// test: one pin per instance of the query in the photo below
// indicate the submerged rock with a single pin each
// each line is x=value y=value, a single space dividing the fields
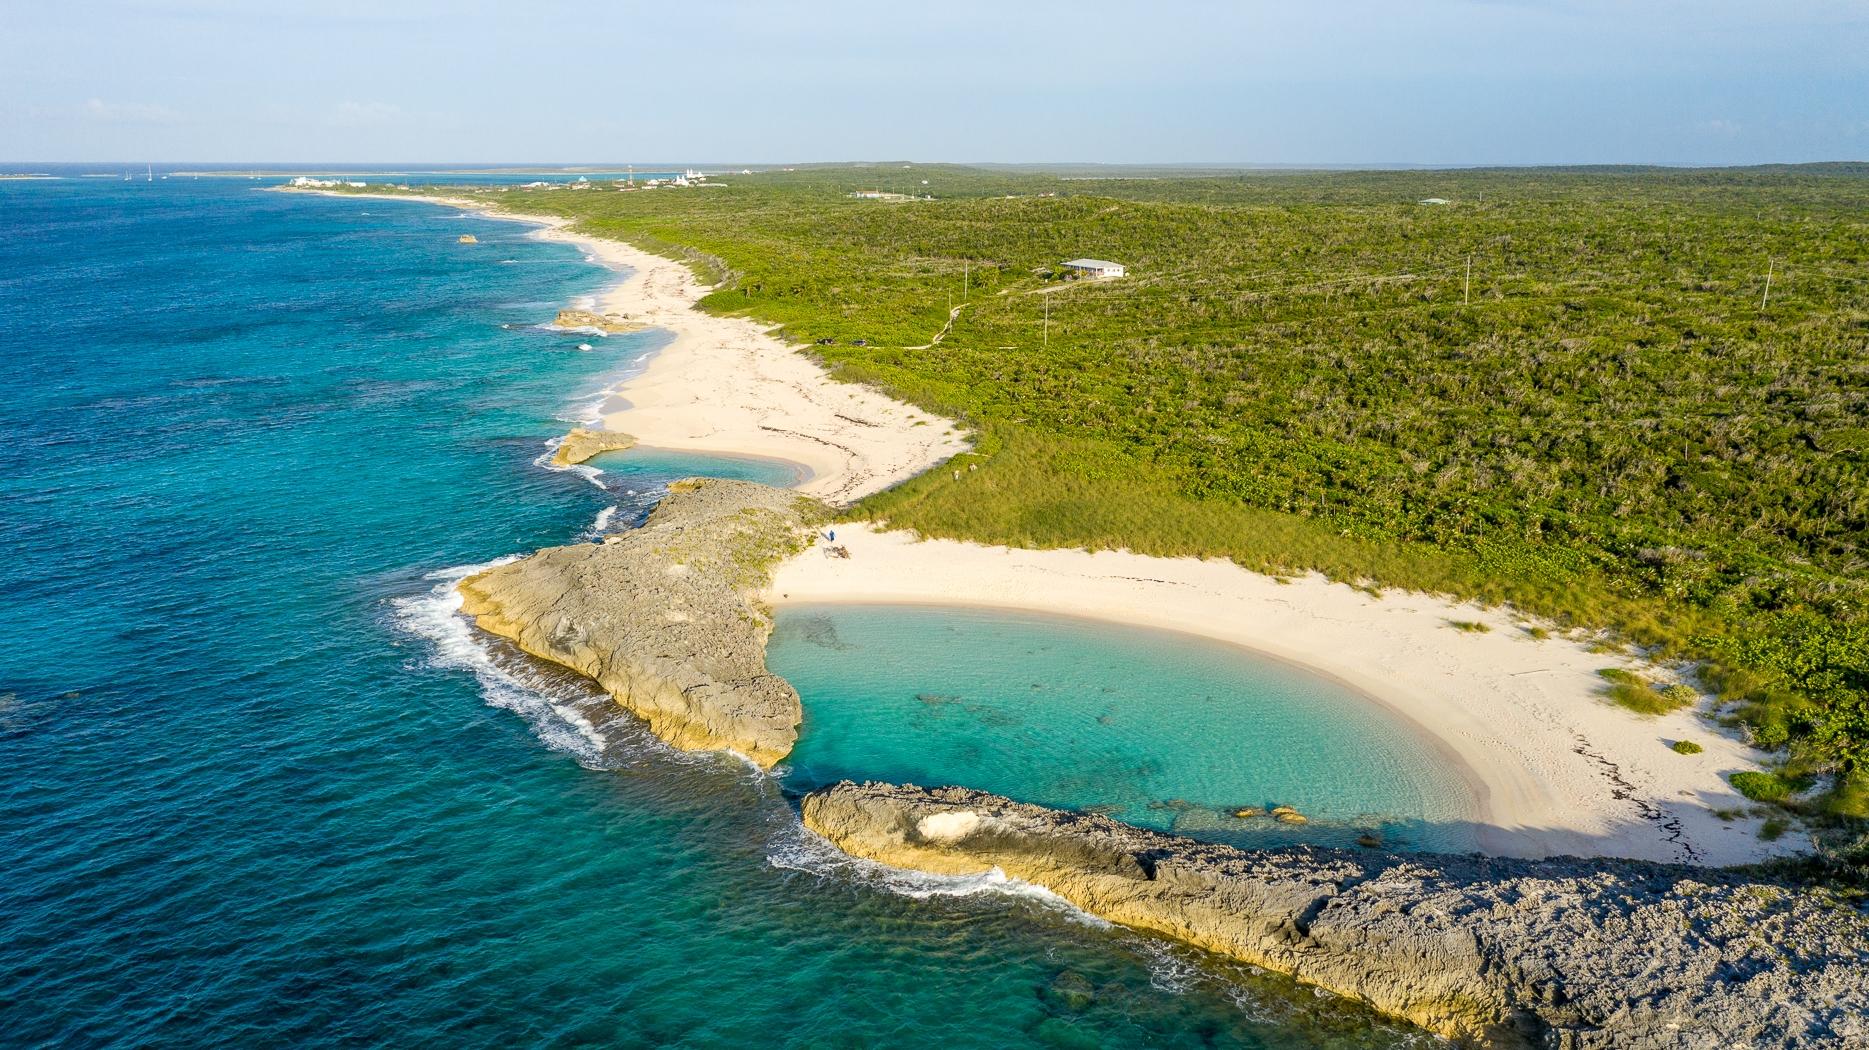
x=663 y=617
x=1559 y=953
x=1071 y=990
x=583 y=443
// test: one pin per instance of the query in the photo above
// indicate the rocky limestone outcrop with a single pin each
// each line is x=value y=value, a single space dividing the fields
x=583 y=443
x=608 y=324
x=663 y=616
x=1561 y=953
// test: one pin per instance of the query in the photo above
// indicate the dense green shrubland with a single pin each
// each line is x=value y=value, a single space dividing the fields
x=1611 y=427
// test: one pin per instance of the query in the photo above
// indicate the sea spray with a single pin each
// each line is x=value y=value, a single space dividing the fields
x=560 y=714
x=797 y=848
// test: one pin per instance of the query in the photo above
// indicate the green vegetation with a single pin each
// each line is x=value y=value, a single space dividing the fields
x=1638 y=694
x=1685 y=747
x=1680 y=695
x=1761 y=787
x=1469 y=626
x=1607 y=425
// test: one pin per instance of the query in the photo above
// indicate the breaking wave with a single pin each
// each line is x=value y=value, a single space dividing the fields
x=797 y=848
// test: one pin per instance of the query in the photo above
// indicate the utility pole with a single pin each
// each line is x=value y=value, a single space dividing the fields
x=964 y=266
x=1767 y=299
x=1466 y=294
x=1047 y=318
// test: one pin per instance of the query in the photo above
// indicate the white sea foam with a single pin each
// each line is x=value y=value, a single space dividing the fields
x=588 y=473
x=594 y=475
x=568 y=713
x=602 y=524
x=436 y=616
x=1170 y=967
x=800 y=849
x=586 y=414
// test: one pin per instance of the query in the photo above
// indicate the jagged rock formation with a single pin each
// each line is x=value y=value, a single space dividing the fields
x=663 y=616
x=608 y=324
x=583 y=443
x=1563 y=953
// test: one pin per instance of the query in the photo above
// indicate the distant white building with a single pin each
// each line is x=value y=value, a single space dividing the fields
x=1436 y=200
x=1095 y=268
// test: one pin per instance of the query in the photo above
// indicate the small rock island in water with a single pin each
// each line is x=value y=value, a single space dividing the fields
x=584 y=442
x=605 y=324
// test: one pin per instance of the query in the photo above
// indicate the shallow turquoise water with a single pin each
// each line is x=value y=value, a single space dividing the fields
x=262 y=788
x=1154 y=728
x=650 y=464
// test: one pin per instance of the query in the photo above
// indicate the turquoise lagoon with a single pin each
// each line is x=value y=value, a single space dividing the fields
x=263 y=788
x=1154 y=728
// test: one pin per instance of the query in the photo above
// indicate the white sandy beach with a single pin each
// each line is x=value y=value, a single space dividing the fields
x=726 y=385
x=1558 y=769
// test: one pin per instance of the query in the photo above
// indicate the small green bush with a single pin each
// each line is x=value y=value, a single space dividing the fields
x=1760 y=787
x=1637 y=693
x=1681 y=695
x=1686 y=747
x=1469 y=626
x=1774 y=829
x=1536 y=634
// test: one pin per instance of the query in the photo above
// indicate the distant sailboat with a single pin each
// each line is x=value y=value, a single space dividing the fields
x=149 y=173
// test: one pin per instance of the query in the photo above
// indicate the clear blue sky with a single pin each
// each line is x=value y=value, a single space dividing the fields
x=1251 y=81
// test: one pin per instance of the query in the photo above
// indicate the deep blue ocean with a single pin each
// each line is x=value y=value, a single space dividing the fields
x=261 y=788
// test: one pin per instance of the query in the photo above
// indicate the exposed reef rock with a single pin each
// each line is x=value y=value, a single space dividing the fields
x=608 y=324
x=1561 y=953
x=662 y=616
x=583 y=443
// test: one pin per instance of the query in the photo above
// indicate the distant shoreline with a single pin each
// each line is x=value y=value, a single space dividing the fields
x=726 y=385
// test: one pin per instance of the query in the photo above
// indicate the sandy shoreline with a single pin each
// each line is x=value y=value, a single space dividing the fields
x=727 y=385
x=1560 y=770
x=1557 y=769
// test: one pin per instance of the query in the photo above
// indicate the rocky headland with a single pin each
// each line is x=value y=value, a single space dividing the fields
x=663 y=617
x=583 y=443
x=604 y=324
x=1559 y=953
